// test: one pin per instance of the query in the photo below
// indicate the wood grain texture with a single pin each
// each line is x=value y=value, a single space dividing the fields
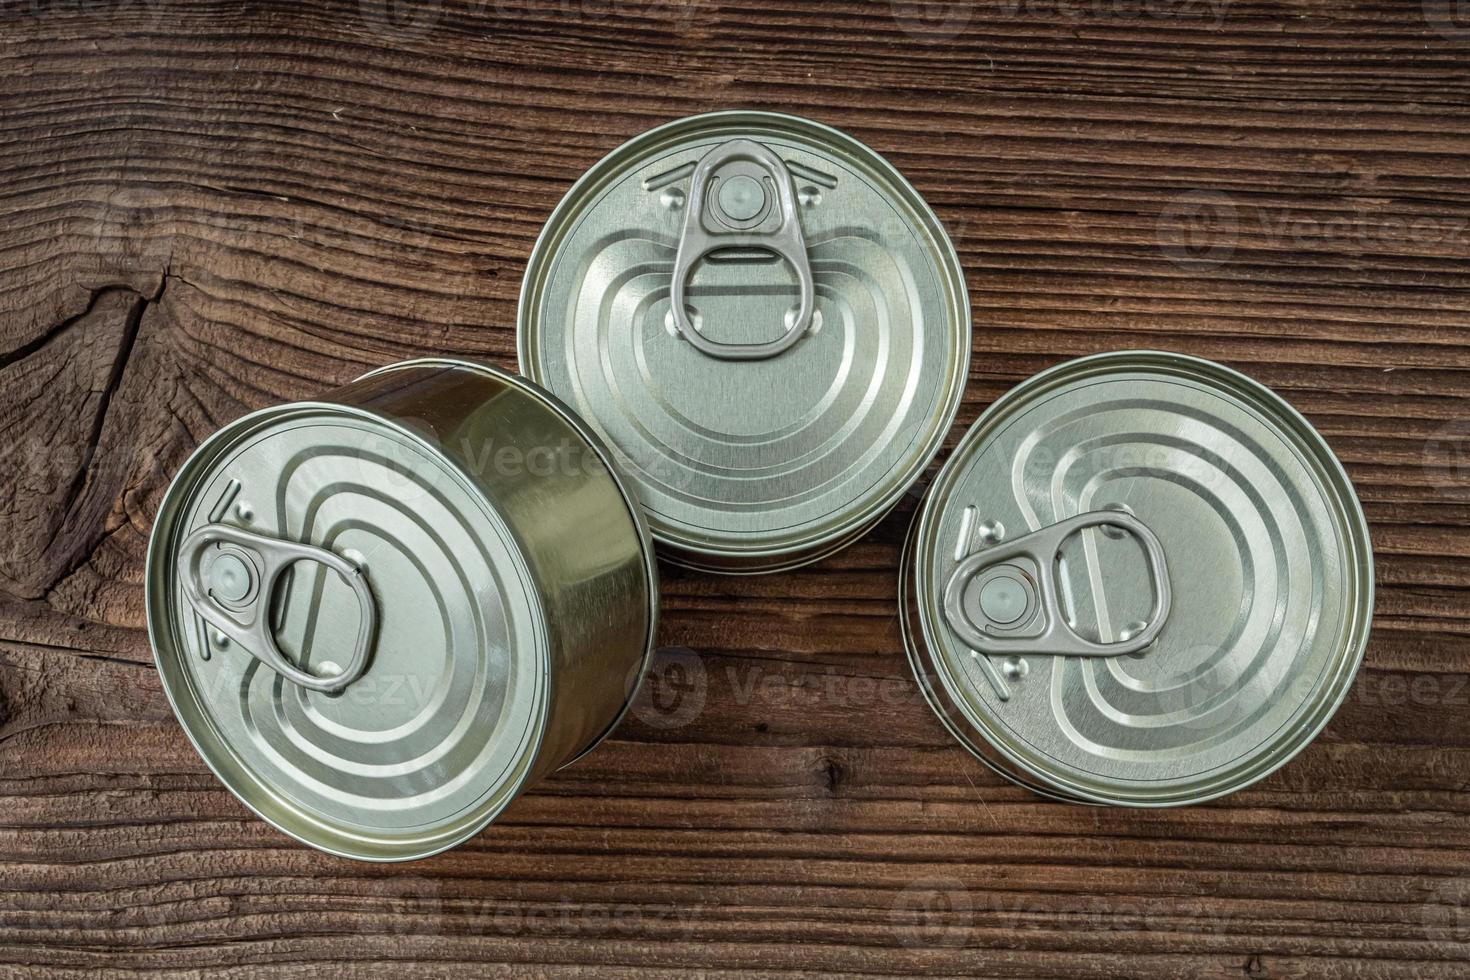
x=206 y=208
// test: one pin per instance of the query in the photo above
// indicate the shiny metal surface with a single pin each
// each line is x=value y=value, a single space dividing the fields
x=1269 y=564
x=1007 y=599
x=513 y=589
x=230 y=576
x=763 y=445
x=741 y=215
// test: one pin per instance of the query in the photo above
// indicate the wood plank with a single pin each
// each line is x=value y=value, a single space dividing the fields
x=209 y=207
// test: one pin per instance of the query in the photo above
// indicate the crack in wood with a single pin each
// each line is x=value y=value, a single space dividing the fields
x=99 y=418
x=105 y=658
x=132 y=326
x=37 y=344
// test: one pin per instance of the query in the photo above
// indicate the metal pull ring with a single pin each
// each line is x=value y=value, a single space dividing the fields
x=234 y=589
x=1009 y=596
x=742 y=207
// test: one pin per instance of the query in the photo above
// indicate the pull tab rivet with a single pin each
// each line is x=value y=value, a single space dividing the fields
x=742 y=197
x=229 y=578
x=1003 y=599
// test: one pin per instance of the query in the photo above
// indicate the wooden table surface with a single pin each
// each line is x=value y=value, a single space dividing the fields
x=206 y=208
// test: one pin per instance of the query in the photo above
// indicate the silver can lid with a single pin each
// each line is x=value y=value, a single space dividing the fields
x=1142 y=579
x=365 y=535
x=814 y=359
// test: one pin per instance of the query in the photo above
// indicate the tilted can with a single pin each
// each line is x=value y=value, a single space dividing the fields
x=1142 y=579
x=766 y=322
x=381 y=615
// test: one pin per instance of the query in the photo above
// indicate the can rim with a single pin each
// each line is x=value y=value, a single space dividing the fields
x=834 y=536
x=1345 y=506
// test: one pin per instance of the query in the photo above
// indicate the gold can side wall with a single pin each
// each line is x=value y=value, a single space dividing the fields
x=579 y=528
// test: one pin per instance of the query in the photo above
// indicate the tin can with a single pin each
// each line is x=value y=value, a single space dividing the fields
x=1142 y=579
x=381 y=615
x=766 y=322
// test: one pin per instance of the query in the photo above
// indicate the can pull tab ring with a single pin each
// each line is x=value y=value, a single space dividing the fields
x=1015 y=583
x=233 y=592
x=749 y=220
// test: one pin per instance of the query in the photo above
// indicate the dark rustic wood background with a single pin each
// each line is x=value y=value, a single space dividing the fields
x=206 y=208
